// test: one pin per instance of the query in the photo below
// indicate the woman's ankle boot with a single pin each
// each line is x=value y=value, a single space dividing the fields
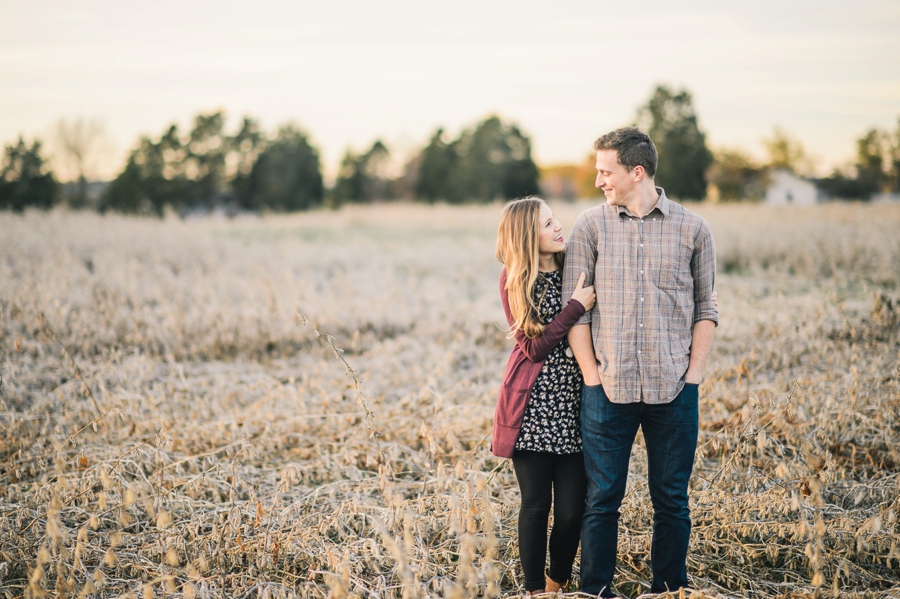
x=552 y=586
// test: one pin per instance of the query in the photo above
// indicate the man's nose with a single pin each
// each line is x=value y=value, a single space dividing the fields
x=598 y=183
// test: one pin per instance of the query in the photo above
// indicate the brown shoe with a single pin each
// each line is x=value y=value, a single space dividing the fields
x=552 y=586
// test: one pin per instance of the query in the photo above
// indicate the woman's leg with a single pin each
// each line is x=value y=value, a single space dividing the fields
x=534 y=471
x=569 y=490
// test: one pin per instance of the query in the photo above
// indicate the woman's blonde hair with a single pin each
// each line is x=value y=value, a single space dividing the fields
x=517 y=250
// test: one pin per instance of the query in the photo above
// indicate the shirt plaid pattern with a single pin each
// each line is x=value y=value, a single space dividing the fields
x=654 y=278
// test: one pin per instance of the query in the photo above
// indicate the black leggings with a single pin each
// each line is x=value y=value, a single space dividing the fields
x=545 y=478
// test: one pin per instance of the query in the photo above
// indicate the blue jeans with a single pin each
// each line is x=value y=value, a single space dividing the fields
x=607 y=433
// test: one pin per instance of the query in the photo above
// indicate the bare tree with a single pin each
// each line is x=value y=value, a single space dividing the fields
x=79 y=144
x=788 y=153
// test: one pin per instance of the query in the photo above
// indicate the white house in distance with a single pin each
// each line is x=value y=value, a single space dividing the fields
x=787 y=189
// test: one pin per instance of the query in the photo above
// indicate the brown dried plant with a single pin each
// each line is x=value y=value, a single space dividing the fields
x=169 y=430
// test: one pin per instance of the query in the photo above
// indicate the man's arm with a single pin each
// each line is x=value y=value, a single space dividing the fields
x=703 y=271
x=706 y=313
x=581 y=257
x=583 y=347
x=701 y=344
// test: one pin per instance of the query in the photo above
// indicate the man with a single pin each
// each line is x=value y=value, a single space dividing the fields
x=641 y=351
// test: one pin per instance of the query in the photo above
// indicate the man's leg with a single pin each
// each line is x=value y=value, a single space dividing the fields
x=670 y=432
x=607 y=434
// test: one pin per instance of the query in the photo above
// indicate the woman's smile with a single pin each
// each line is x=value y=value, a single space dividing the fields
x=550 y=235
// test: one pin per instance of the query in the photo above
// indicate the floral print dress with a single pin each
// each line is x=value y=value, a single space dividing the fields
x=552 y=422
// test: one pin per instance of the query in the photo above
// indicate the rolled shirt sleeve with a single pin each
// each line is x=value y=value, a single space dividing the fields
x=581 y=257
x=703 y=271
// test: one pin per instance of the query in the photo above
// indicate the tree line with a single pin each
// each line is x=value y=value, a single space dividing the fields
x=246 y=169
x=209 y=167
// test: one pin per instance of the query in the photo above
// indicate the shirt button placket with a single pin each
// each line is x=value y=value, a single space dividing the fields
x=640 y=337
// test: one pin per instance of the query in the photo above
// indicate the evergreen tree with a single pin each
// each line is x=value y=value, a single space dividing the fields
x=522 y=175
x=158 y=174
x=670 y=121
x=489 y=161
x=25 y=179
x=287 y=175
x=871 y=156
x=436 y=163
x=364 y=177
x=245 y=148
x=376 y=180
x=349 y=184
x=204 y=162
x=894 y=160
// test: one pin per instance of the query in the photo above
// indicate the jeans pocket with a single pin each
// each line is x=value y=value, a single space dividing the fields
x=690 y=392
x=593 y=399
x=592 y=391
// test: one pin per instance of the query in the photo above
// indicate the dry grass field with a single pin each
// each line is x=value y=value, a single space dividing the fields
x=172 y=428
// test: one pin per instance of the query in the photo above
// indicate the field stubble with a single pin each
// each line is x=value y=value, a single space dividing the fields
x=172 y=427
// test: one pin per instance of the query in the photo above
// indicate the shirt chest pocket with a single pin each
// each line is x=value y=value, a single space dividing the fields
x=669 y=264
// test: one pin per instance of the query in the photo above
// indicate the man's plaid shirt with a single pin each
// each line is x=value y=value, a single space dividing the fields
x=654 y=278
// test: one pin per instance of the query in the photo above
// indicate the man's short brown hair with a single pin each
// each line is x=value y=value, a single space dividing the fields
x=633 y=146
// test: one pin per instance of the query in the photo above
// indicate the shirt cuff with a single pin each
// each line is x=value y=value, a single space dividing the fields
x=706 y=313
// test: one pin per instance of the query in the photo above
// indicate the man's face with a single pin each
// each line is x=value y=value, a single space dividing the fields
x=616 y=182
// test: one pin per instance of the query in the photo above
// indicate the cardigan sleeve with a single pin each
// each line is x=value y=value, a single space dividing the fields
x=538 y=348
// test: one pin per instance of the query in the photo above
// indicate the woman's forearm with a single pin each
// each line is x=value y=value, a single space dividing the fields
x=538 y=348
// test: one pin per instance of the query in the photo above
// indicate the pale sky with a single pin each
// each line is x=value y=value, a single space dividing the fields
x=349 y=72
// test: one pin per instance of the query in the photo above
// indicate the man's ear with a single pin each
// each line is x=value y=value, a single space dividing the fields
x=639 y=173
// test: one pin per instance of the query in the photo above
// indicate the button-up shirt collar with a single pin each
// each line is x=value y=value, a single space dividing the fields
x=662 y=204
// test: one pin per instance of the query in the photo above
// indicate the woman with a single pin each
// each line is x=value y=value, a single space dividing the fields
x=537 y=420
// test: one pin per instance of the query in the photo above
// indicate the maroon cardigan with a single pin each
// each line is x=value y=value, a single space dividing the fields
x=525 y=362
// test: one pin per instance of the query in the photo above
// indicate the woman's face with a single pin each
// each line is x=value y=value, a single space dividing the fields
x=550 y=237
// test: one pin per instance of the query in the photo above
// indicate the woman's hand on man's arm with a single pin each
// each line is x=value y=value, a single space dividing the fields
x=584 y=295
